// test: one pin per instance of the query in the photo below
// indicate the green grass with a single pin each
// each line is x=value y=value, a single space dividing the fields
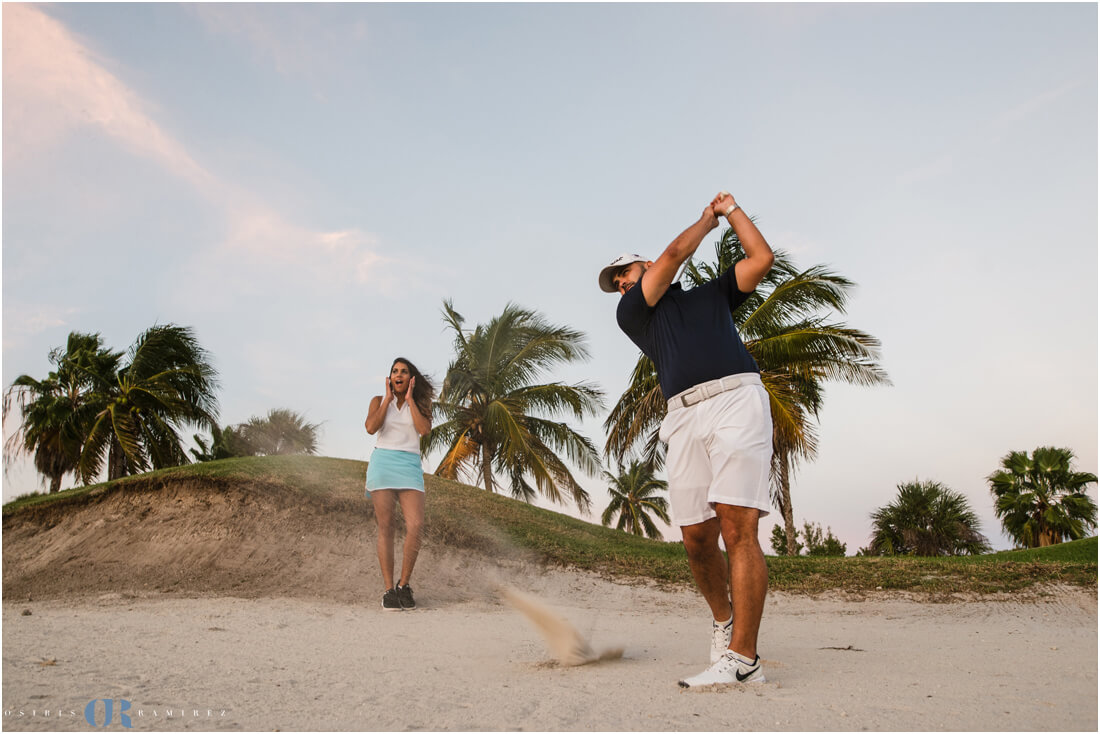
x=309 y=474
x=1079 y=551
x=466 y=517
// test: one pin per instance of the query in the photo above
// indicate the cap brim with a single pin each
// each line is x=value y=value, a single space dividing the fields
x=605 y=278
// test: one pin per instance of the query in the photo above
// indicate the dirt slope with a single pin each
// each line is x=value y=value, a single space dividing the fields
x=192 y=536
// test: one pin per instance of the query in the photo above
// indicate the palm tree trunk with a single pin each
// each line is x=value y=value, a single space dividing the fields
x=55 y=483
x=785 y=504
x=116 y=461
x=487 y=467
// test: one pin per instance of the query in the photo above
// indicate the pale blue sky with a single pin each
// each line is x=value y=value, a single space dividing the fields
x=304 y=184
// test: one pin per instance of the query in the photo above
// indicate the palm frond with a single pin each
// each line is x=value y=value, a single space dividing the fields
x=638 y=413
x=497 y=409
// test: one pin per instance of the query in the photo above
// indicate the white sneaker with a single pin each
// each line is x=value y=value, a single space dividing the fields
x=730 y=668
x=720 y=639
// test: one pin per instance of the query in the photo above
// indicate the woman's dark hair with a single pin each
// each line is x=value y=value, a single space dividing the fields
x=423 y=390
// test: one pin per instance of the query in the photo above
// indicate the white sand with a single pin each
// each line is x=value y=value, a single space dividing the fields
x=886 y=663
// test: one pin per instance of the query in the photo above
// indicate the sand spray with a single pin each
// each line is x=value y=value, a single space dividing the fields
x=566 y=644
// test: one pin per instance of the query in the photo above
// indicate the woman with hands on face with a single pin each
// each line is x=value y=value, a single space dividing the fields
x=395 y=476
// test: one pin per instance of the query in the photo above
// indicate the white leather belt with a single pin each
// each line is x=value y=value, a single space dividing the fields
x=706 y=390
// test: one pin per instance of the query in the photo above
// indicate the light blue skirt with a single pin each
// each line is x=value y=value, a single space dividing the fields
x=391 y=469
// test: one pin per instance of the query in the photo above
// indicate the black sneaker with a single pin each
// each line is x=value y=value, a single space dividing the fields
x=390 y=601
x=405 y=596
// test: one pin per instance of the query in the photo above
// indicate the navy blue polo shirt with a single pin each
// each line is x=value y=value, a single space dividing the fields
x=689 y=335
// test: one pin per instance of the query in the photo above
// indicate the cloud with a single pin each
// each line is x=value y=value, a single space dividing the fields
x=54 y=86
x=1036 y=102
x=22 y=321
x=297 y=43
x=991 y=134
x=339 y=256
x=929 y=170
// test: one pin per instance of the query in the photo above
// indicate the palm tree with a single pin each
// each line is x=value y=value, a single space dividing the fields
x=167 y=383
x=497 y=420
x=220 y=445
x=281 y=432
x=797 y=349
x=1040 y=499
x=45 y=431
x=633 y=497
x=926 y=519
x=55 y=411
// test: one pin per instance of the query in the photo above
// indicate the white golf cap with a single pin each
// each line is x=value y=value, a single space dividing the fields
x=617 y=264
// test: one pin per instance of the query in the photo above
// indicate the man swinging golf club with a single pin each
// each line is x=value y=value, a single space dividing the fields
x=718 y=427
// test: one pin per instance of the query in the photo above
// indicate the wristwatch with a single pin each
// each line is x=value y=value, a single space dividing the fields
x=732 y=209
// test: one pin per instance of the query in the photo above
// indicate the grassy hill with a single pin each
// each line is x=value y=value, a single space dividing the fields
x=247 y=525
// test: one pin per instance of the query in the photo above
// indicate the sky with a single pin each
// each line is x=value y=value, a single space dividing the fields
x=304 y=185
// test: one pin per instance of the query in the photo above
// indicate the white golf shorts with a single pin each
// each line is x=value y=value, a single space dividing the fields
x=719 y=452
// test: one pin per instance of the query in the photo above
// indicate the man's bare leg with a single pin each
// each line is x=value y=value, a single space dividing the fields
x=748 y=574
x=708 y=565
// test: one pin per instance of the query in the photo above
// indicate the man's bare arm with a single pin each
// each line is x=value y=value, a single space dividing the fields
x=659 y=276
x=758 y=254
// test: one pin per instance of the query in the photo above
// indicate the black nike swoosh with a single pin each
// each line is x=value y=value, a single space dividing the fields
x=741 y=678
